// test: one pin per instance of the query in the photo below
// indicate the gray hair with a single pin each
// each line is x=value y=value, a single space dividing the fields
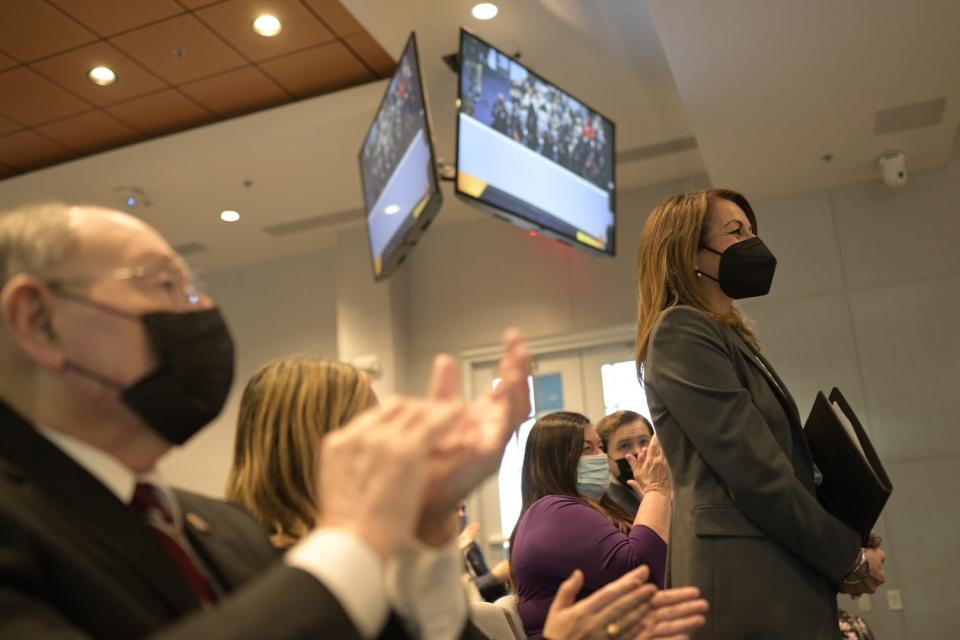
x=34 y=238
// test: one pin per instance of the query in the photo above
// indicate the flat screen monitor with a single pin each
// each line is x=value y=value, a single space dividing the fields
x=397 y=168
x=531 y=152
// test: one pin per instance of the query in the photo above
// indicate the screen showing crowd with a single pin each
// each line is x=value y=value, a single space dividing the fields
x=529 y=116
x=396 y=160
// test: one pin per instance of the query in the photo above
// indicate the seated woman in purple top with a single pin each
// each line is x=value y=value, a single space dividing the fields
x=568 y=522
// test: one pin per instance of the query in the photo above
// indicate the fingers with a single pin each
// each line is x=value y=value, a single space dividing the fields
x=617 y=589
x=630 y=612
x=677 y=628
x=567 y=593
x=685 y=613
x=668 y=597
x=445 y=382
x=637 y=600
x=514 y=370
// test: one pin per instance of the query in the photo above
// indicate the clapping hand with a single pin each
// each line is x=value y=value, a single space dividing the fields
x=472 y=451
x=372 y=474
x=650 y=470
x=628 y=608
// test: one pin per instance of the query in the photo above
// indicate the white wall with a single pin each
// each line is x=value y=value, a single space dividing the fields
x=469 y=281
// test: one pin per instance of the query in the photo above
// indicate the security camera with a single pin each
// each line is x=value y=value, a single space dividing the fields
x=893 y=168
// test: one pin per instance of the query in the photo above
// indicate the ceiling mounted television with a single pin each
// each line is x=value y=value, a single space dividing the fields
x=532 y=153
x=401 y=195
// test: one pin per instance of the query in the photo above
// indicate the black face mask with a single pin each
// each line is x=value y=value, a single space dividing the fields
x=624 y=472
x=746 y=269
x=195 y=355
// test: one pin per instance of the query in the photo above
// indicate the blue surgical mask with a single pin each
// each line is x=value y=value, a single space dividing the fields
x=593 y=476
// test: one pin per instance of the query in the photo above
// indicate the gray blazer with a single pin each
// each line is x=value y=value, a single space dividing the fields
x=747 y=528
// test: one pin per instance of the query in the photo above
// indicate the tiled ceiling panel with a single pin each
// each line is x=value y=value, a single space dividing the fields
x=33 y=29
x=69 y=70
x=196 y=4
x=7 y=125
x=30 y=99
x=240 y=91
x=232 y=21
x=90 y=130
x=178 y=64
x=163 y=111
x=372 y=53
x=110 y=17
x=6 y=62
x=335 y=16
x=322 y=69
x=25 y=150
x=179 y=50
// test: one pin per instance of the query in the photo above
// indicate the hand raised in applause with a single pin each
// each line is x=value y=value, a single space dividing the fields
x=373 y=474
x=627 y=608
x=650 y=470
x=472 y=450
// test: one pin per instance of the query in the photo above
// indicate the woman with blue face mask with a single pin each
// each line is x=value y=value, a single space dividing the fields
x=568 y=522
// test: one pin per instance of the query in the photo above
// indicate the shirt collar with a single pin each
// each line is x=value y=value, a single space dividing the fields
x=111 y=473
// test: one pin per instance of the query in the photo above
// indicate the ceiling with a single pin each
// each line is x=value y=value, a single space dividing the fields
x=754 y=95
x=772 y=87
x=179 y=64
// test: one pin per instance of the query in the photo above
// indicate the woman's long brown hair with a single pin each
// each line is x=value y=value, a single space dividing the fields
x=666 y=264
x=286 y=409
x=550 y=467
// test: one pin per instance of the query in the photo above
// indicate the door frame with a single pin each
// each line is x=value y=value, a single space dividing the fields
x=545 y=346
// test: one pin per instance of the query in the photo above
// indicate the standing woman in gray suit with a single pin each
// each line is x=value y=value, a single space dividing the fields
x=747 y=528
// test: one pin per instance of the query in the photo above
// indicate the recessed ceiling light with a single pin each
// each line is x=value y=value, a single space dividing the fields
x=229 y=216
x=102 y=76
x=484 y=11
x=391 y=209
x=267 y=25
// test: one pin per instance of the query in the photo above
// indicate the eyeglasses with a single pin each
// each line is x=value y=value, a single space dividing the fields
x=182 y=285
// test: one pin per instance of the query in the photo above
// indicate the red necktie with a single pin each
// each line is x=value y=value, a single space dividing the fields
x=157 y=515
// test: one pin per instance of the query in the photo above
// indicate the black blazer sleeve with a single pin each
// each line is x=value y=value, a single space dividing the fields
x=694 y=375
x=283 y=603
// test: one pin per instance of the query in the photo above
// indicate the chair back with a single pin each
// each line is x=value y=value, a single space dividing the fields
x=492 y=621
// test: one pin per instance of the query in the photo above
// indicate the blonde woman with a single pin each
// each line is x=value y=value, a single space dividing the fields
x=286 y=408
x=746 y=523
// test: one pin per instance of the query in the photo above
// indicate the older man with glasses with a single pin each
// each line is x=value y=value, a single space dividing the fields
x=110 y=355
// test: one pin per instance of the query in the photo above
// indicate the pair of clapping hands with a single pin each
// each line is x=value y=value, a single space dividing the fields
x=627 y=609
x=398 y=471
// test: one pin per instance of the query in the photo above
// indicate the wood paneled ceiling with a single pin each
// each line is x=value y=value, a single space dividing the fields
x=179 y=64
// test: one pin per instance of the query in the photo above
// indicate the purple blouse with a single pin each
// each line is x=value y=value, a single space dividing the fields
x=559 y=534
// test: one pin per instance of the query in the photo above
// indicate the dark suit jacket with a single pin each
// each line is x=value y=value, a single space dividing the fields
x=747 y=528
x=77 y=562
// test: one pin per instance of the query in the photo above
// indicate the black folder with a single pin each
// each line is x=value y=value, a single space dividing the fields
x=855 y=486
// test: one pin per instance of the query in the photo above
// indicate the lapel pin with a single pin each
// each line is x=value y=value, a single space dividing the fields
x=198 y=523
